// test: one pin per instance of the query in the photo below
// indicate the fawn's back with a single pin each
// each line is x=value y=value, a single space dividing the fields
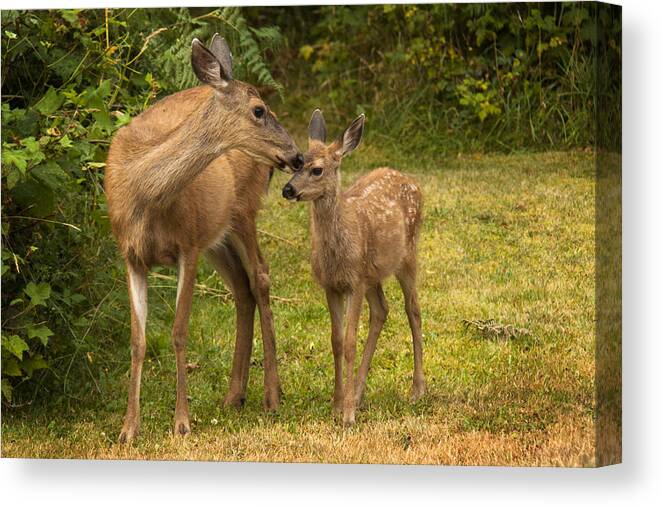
x=388 y=208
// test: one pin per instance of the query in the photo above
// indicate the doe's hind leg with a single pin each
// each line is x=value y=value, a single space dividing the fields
x=227 y=263
x=137 y=285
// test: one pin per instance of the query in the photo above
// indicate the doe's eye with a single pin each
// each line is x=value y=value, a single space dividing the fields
x=316 y=171
x=258 y=111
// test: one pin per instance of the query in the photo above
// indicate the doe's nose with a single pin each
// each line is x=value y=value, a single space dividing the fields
x=297 y=161
x=288 y=191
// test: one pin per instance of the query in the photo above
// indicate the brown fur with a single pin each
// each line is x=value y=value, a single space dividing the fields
x=186 y=178
x=360 y=237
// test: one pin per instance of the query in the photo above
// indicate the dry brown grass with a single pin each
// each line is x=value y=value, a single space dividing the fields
x=412 y=440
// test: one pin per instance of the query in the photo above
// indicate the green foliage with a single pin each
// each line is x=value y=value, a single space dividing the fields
x=171 y=46
x=452 y=77
x=71 y=78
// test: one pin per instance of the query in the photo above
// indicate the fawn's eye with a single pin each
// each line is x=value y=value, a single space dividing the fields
x=316 y=171
x=258 y=112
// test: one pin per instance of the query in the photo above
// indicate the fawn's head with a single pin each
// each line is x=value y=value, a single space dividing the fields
x=321 y=169
x=252 y=127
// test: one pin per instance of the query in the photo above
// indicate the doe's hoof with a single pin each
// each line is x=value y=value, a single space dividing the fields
x=128 y=435
x=235 y=400
x=181 y=429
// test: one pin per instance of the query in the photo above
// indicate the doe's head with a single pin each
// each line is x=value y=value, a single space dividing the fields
x=254 y=128
x=320 y=174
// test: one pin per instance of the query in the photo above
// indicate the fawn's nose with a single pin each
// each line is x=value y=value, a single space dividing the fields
x=288 y=191
x=297 y=161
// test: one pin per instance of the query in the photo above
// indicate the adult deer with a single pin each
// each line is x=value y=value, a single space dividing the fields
x=359 y=237
x=172 y=195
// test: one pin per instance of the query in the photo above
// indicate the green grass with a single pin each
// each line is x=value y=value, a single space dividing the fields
x=505 y=237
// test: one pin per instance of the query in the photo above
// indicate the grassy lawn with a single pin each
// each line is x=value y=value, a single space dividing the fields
x=505 y=237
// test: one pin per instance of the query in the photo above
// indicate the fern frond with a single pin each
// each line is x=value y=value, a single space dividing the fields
x=170 y=52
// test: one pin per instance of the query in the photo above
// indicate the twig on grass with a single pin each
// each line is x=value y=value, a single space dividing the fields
x=205 y=289
x=492 y=330
x=275 y=236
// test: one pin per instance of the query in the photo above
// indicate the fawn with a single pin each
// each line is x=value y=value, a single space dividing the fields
x=173 y=181
x=359 y=237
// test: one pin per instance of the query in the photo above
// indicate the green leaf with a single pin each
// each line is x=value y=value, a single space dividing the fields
x=15 y=344
x=103 y=119
x=50 y=102
x=31 y=144
x=16 y=157
x=41 y=332
x=122 y=118
x=10 y=368
x=65 y=142
x=13 y=177
x=71 y=15
x=50 y=174
x=32 y=150
x=6 y=389
x=306 y=51
x=37 y=199
x=38 y=293
x=34 y=363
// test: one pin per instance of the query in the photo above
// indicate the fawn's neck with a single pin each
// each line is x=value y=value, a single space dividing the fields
x=331 y=229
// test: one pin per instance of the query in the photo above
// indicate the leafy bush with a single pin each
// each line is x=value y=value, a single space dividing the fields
x=451 y=77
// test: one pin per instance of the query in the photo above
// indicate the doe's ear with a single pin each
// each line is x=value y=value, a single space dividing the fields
x=351 y=137
x=221 y=51
x=206 y=66
x=317 y=127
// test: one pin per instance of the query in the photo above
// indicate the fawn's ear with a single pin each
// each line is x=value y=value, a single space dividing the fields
x=207 y=68
x=351 y=137
x=317 y=127
x=222 y=52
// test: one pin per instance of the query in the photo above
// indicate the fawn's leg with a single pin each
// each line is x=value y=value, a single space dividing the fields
x=227 y=263
x=378 y=314
x=185 y=286
x=336 y=303
x=244 y=240
x=406 y=277
x=354 y=307
x=137 y=285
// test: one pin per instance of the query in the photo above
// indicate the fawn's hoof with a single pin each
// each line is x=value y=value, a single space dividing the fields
x=349 y=419
x=181 y=428
x=418 y=391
